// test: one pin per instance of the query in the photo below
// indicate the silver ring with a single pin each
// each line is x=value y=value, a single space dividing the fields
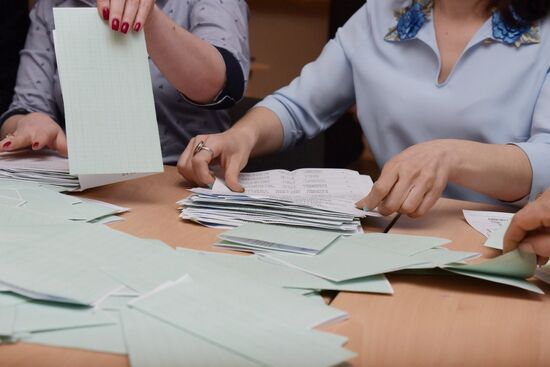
x=202 y=146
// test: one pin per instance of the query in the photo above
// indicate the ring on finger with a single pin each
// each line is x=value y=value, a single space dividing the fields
x=202 y=146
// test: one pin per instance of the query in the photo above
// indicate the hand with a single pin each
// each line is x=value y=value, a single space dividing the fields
x=36 y=130
x=124 y=15
x=230 y=150
x=412 y=181
x=530 y=229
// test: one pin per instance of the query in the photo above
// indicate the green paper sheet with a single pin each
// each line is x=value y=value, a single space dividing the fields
x=152 y=342
x=350 y=258
x=118 y=133
x=280 y=238
x=511 y=269
x=242 y=327
x=7 y=320
x=33 y=316
x=274 y=273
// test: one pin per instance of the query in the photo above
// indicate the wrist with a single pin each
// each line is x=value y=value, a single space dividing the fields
x=451 y=153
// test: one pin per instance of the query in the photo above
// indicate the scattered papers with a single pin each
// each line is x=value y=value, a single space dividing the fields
x=279 y=238
x=318 y=198
x=492 y=225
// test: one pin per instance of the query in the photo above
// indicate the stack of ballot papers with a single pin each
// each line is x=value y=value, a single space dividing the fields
x=319 y=198
x=110 y=119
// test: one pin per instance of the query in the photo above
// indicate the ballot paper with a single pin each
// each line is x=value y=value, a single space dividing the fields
x=112 y=133
x=315 y=198
x=331 y=189
x=279 y=238
x=512 y=269
x=492 y=225
x=242 y=327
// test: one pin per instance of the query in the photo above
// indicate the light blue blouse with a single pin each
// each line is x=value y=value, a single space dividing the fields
x=497 y=92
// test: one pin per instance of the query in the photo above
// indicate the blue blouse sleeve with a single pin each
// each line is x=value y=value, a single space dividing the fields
x=34 y=86
x=537 y=147
x=224 y=24
x=323 y=91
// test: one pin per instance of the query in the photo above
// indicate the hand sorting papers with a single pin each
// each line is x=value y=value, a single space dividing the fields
x=319 y=198
x=112 y=133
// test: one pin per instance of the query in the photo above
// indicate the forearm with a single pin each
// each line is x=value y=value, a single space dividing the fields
x=192 y=65
x=263 y=129
x=500 y=171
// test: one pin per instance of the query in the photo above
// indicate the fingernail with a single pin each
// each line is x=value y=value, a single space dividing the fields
x=137 y=27
x=115 y=25
x=35 y=145
x=124 y=28
x=6 y=144
x=105 y=13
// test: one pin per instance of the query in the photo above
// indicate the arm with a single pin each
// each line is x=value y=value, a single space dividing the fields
x=199 y=62
x=310 y=104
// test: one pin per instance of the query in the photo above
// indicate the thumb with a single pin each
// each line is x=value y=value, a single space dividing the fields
x=232 y=171
x=60 y=144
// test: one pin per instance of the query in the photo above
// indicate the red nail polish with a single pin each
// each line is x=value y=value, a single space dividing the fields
x=105 y=13
x=6 y=144
x=124 y=28
x=137 y=27
x=115 y=25
x=35 y=145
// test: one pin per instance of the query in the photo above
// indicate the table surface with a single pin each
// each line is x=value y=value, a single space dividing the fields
x=435 y=320
x=429 y=320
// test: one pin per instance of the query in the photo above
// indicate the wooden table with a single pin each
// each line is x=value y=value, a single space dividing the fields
x=154 y=214
x=447 y=320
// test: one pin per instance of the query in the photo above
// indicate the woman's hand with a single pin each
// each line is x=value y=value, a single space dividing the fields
x=412 y=181
x=230 y=150
x=124 y=15
x=36 y=130
x=530 y=229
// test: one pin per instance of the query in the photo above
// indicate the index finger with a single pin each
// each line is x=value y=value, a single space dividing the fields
x=200 y=165
x=527 y=219
x=381 y=188
x=103 y=9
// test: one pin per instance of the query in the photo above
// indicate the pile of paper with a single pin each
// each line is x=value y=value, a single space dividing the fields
x=319 y=198
x=86 y=286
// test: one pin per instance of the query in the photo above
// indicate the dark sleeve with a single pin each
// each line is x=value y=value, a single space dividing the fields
x=14 y=23
x=233 y=91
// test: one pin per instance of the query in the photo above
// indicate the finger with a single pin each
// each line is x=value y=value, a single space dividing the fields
x=39 y=140
x=129 y=16
x=103 y=9
x=115 y=13
x=60 y=144
x=233 y=167
x=538 y=242
x=200 y=163
x=380 y=190
x=396 y=197
x=430 y=198
x=19 y=140
x=527 y=219
x=5 y=143
x=145 y=8
x=414 y=199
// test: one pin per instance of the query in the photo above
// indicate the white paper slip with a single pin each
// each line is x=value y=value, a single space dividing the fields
x=486 y=222
x=108 y=98
x=330 y=189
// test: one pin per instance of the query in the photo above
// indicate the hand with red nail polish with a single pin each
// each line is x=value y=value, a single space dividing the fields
x=125 y=15
x=35 y=130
